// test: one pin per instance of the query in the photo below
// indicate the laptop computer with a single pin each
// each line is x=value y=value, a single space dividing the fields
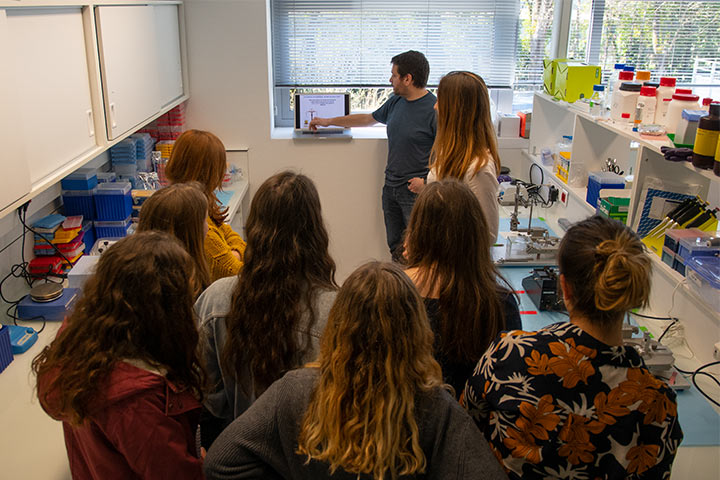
x=322 y=105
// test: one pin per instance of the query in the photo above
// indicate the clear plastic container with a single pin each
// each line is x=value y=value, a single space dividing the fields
x=647 y=97
x=614 y=77
x=703 y=274
x=687 y=128
x=597 y=101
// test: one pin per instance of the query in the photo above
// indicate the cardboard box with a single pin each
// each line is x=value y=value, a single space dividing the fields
x=525 y=121
x=574 y=80
x=509 y=125
x=550 y=67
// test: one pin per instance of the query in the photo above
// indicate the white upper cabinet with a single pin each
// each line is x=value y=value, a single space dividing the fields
x=140 y=60
x=15 y=177
x=169 y=63
x=52 y=91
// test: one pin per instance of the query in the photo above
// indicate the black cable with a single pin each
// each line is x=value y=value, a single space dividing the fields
x=699 y=371
x=650 y=317
x=674 y=321
x=15 y=318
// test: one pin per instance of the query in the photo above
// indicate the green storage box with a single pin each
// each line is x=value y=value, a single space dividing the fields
x=574 y=80
x=614 y=205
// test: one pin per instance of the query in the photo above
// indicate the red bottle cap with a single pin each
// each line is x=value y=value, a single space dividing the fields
x=707 y=101
x=647 y=91
x=683 y=90
x=667 y=81
x=685 y=97
x=626 y=75
x=625 y=115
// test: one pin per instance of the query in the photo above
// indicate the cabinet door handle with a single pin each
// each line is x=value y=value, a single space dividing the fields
x=113 y=123
x=91 y=125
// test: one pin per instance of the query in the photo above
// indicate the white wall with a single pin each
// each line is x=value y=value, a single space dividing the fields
x=230 y=83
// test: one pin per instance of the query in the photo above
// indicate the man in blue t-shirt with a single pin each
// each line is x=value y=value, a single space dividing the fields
x=411 y=124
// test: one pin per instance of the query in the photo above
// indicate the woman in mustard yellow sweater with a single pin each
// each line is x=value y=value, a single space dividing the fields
x=200 y=156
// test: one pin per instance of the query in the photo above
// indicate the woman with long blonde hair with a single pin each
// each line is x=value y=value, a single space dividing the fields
x=372 y=406
x=465 y=146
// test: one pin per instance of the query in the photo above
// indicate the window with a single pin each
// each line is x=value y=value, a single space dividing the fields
x=670 y=38
x=348 y=44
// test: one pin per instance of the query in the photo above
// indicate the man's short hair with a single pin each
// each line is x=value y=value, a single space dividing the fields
x=415 y=64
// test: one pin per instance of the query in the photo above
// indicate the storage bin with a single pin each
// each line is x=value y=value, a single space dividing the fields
x=679 y=265
x=113 y=228
x=82 y=270
x=668 y=256
x=6 y=354
x=79 y=202
x=672 y=237
x=89 y=235
x=600 y=180
x=695 y=247
x=106 y=177
x=81 y=179
x=703 y=275
x=113 y=202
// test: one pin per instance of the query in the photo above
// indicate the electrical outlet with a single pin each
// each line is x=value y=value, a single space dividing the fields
x=564 y=196
x=716 y=351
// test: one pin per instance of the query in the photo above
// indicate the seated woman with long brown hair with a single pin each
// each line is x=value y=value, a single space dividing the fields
x=449 y=260
x=372 y=406
x=124 y=374
x=570 y=400
x=199 y=156
x=181 y=210
x=269 y=318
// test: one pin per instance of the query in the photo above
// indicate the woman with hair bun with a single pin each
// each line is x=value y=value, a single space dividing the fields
x=371 y=407
x=571 y=400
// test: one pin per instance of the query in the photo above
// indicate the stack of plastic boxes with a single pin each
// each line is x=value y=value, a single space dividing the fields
x=124 y=159
x=171 y=125
x=165 y=148
x=78 y=191
x=113 y=204
x=144 y=146
x=703 y=275
x=602 y=180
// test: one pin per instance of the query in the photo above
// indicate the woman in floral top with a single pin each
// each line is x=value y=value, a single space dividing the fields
x=570 y=401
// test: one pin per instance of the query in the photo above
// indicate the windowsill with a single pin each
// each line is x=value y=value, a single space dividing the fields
x=372 y=133
x=379 y=133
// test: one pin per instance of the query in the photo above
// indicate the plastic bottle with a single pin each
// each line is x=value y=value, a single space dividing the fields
x=614 y=77
x=663 y=95
x=625 y=101
x=637 y=118
x=647 y=97
x=679 y=102
x=706 y=138
x=642 y=76
x=597 y=101
x=706 y=104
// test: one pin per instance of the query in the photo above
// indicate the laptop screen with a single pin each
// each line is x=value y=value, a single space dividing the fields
x=323 y=105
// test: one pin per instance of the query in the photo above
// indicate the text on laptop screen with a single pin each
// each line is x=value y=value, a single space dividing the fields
x=323 y=105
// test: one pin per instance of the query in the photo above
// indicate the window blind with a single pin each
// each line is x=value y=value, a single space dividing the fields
x=350 y=42
x=670 y=38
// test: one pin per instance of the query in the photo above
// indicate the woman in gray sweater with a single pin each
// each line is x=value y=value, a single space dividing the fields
x=372 y=407
x=269 y=318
